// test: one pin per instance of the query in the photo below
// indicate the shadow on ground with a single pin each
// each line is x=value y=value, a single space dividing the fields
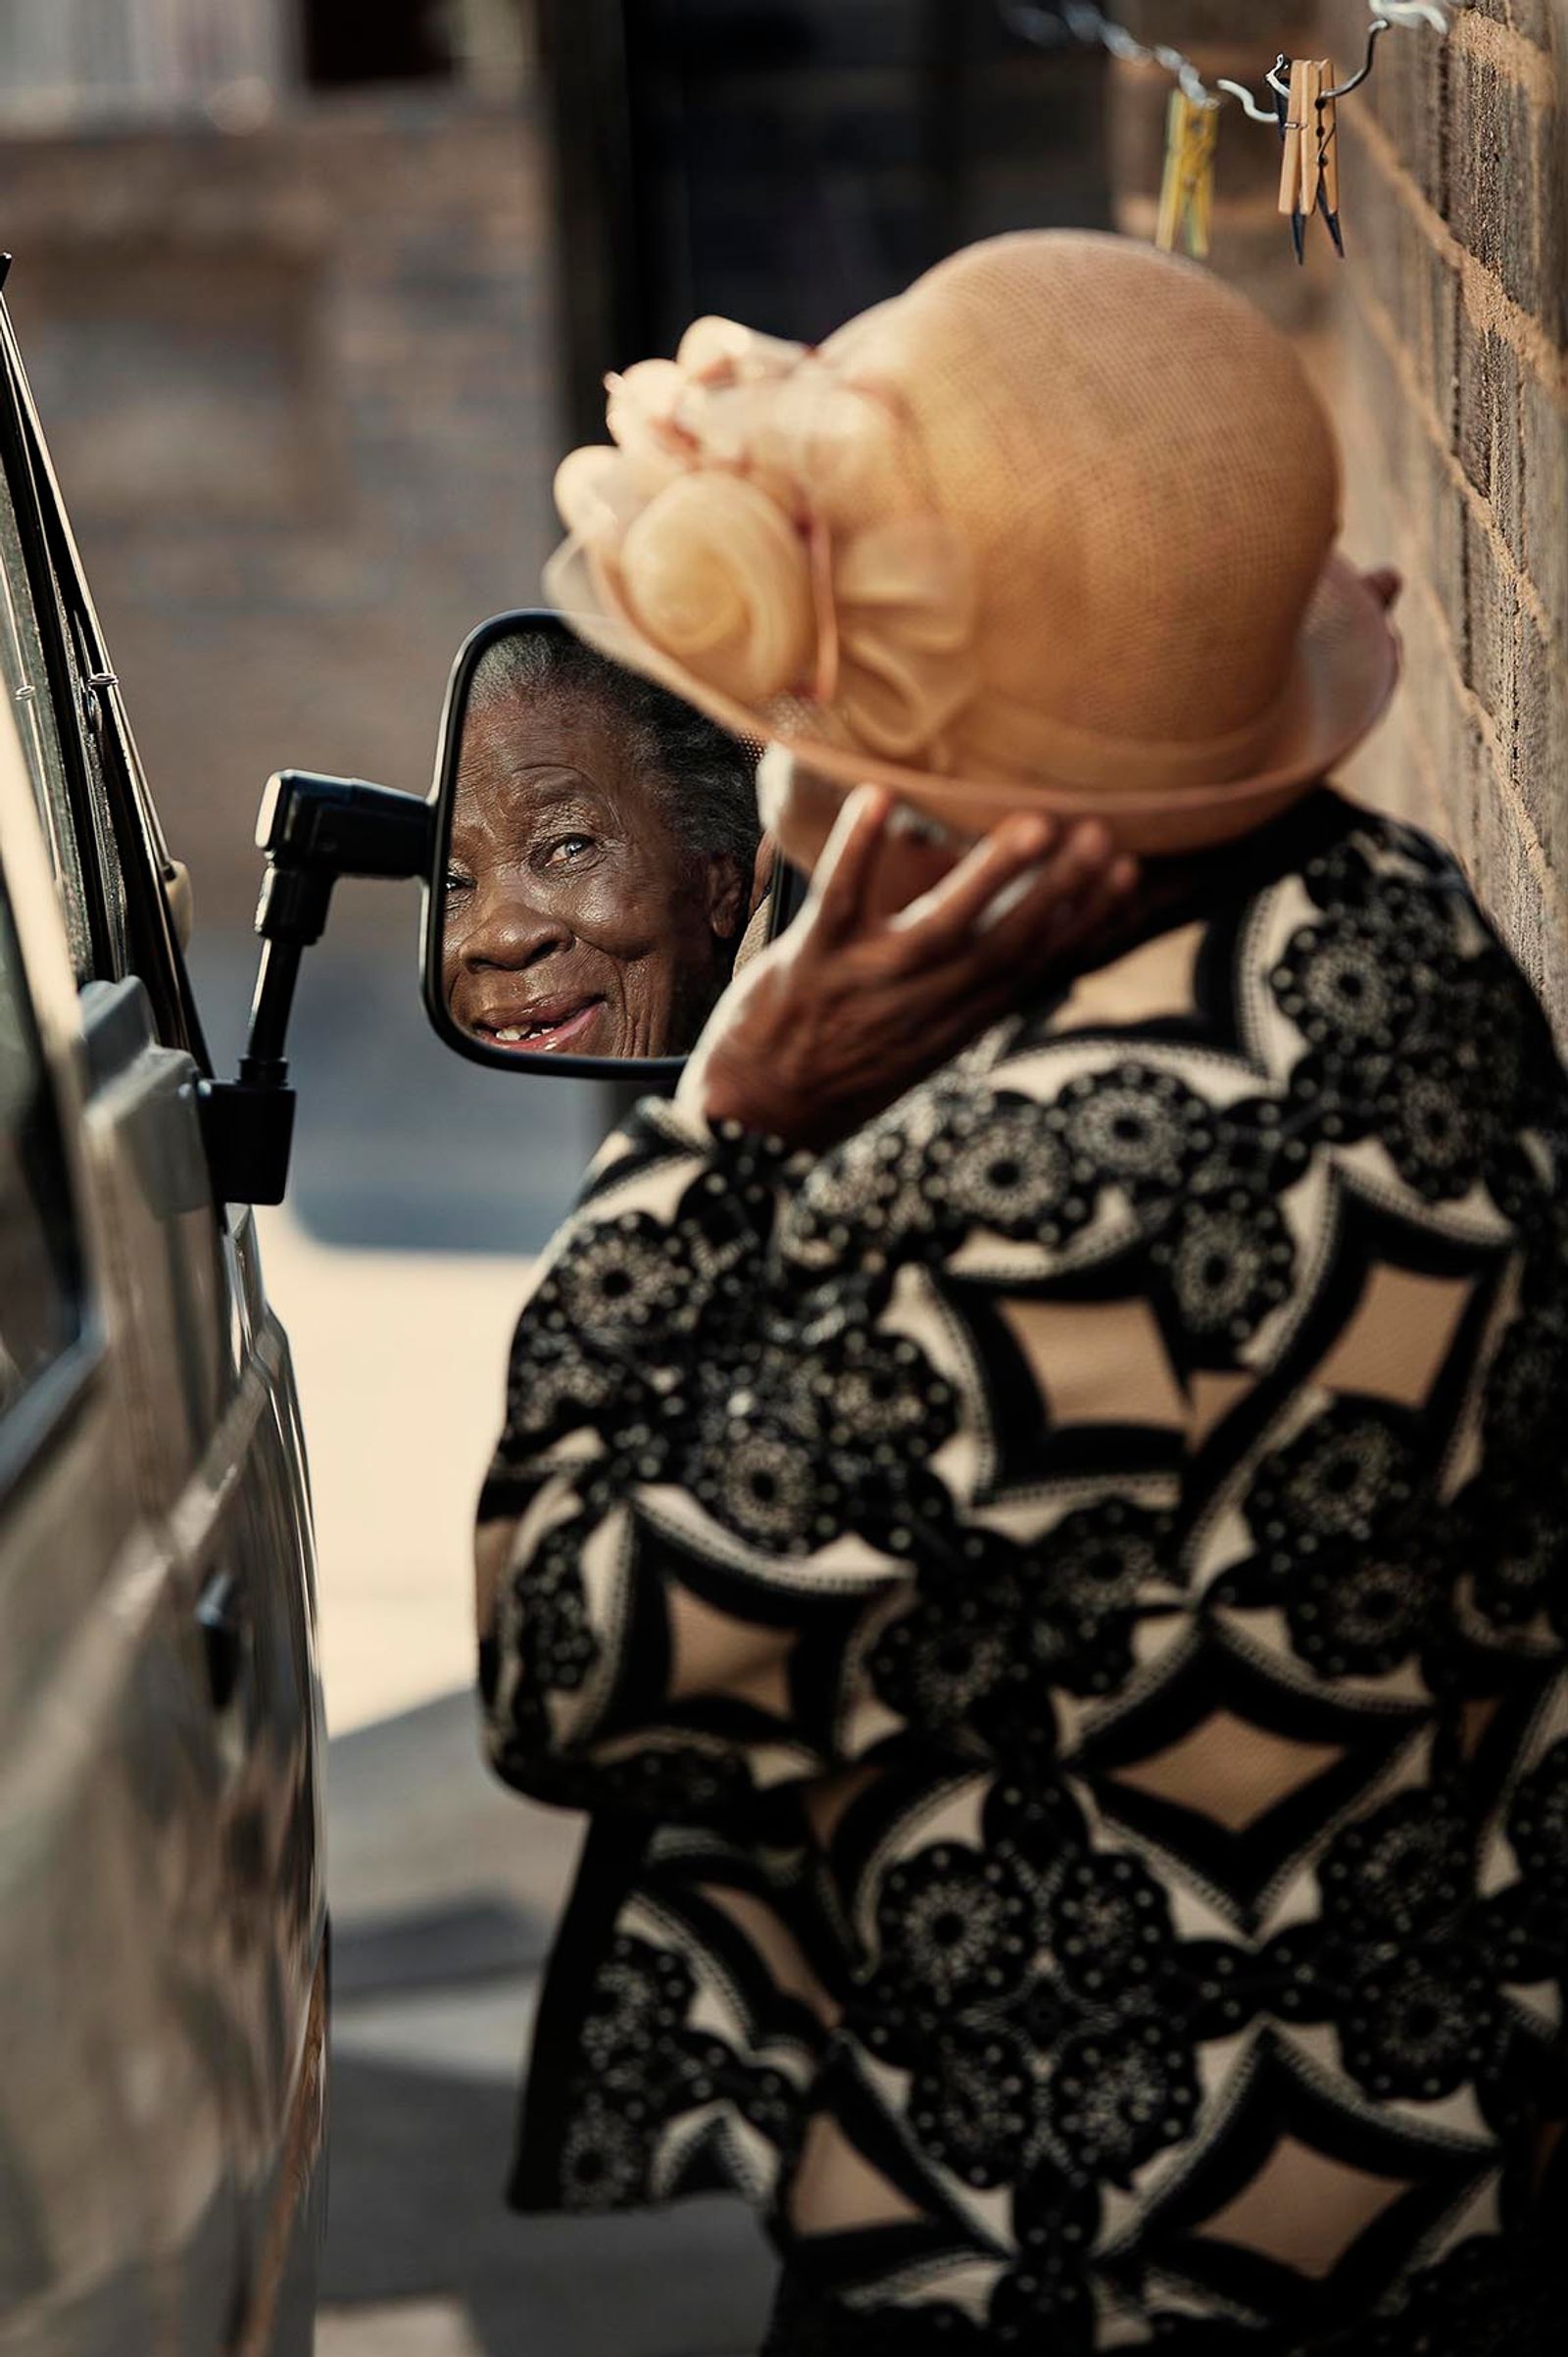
x=443 y=1894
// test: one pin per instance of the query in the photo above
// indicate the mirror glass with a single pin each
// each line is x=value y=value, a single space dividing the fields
x=601 y=870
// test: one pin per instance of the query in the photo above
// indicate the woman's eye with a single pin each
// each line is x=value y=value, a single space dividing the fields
x=568 y=849
x=456 y=882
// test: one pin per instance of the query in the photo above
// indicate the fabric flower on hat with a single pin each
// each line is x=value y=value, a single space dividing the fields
x=761 y=520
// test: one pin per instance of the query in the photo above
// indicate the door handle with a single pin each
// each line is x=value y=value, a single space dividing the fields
x=220 y=1619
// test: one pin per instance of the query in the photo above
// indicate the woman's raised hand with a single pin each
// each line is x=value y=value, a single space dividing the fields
x=850 y=1008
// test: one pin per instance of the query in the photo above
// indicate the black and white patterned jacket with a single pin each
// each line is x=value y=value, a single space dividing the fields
x=1059 y=1612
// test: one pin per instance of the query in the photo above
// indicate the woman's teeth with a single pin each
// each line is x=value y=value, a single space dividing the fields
x=518 y=1035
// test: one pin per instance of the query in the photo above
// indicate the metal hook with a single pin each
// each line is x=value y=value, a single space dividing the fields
x=1414 y=12
x=1379 y=26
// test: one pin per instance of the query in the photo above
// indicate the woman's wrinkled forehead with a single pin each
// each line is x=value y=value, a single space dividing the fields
x=516 y=731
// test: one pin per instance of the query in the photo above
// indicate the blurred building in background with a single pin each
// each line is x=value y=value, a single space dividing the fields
x=790 y=162
x=63 y=62
x=280 y=284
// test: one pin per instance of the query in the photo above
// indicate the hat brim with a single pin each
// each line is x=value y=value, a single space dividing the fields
x=1346 y=669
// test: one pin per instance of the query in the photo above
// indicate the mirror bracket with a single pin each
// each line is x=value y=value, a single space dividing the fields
x=312 y=830
x=248 y=1131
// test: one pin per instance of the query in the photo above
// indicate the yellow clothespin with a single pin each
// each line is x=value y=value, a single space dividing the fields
x=1187 y=193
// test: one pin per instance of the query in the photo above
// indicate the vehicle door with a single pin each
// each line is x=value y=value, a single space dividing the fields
x=166 y=1730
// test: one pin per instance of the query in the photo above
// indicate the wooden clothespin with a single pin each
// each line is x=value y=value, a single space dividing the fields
x=1309 y=176
x=1187 y=194
x=1328 y=148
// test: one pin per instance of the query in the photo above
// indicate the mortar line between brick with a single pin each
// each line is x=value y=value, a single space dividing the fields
x=1553 y=890
x=1553 y=894
x=1376 y=313
x=1511 y=53
x=1407 y=723
x=1425 y=755
x=1537 y=862
x=1487 y=300
x=1426 y=761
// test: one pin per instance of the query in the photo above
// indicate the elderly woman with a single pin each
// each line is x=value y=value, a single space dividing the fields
x=1033 y=1501
x=604 y=842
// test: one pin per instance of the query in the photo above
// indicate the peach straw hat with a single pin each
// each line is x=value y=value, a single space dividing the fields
x=1052 y=530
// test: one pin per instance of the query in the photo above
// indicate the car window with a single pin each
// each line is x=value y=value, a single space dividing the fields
x=26 y=683
x=40 y=1273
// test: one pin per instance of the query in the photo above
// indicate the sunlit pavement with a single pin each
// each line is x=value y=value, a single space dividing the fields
x=417 y=2329
x=400 y=1360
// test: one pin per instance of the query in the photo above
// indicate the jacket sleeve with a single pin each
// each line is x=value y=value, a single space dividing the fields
x=778 y=1477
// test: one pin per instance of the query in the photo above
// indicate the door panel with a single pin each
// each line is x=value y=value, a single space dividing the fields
x=113 y=2125
x=161 y=1917
x=160 y=1720
x=220 y=1472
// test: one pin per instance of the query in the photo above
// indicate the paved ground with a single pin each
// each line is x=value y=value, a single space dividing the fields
x=445 y=1890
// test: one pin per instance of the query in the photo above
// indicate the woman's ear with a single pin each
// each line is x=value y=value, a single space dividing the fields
x=763 y=868
x=726 y=890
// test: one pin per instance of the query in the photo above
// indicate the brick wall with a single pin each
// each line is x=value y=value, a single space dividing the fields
x=1440 y=344
x=1454 y=391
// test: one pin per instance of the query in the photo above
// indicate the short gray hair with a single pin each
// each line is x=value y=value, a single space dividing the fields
x=708 y=777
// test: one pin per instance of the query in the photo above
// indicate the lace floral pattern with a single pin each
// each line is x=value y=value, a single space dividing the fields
x=1072 y=1587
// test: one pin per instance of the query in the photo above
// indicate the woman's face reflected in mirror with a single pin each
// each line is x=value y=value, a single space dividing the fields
x=604 y=862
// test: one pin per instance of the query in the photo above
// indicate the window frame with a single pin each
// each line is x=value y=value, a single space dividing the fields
x=85 y=695
x=30 y=1426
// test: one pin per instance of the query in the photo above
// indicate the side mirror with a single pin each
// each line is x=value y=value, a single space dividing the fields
x=599 y=867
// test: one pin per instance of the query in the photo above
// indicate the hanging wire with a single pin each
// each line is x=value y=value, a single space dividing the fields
x=1248 y=103
x=1077 y=20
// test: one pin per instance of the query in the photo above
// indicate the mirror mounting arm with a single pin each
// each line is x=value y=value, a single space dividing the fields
x=312 y=830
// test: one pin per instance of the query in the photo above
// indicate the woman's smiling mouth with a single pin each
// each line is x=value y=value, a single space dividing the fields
x=546 y=1029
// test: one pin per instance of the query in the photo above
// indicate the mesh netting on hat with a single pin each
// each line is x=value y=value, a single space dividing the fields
x=1147 y=482
x=1052 y=520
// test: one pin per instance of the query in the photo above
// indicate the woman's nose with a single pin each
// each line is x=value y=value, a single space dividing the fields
x=511 y=931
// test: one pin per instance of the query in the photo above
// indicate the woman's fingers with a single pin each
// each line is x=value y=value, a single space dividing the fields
x=841 y=886
x=1083 y=886
x=1029 y=908
x=1022 y=896
x=946 y=920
